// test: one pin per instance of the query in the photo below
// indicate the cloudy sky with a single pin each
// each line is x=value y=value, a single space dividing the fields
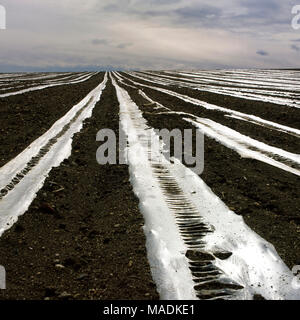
x=148 y=34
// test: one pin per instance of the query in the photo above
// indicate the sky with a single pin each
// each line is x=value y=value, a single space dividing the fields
x=77 y=35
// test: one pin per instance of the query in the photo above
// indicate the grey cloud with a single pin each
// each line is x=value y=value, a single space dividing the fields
x=51 y=33
x=257 y=14
x=198 y=12
x=247 y=13
x=111 y=8
x=295 y=47
x=124 y=45
x=161 y=2
x=106 y=42
x=261 y=7
x=100 y=41
x=262 y=53
x=193 y=15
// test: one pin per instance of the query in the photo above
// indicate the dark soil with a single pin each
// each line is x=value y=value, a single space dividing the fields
x=16 y=85
x=268 y=198
x=284 y=115
x=82 y=236
x=27 y=116
x=271 y=137
x=222 y=84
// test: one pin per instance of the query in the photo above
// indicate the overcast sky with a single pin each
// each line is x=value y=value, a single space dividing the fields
x=148 y=34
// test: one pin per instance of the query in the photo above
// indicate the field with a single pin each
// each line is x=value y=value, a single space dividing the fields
x=152 y=227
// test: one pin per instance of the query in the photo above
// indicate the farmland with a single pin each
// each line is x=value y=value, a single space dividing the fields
x=152 y=228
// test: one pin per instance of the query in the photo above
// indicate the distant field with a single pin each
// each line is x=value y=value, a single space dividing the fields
x=152 y=228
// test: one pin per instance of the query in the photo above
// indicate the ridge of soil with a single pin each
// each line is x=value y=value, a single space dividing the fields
x=82 y=236
x=268 y=198
x=266 y=135
x=25 y=117
x=285 y=115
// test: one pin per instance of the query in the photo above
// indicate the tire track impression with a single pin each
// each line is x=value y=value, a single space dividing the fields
x=192 y=251
x=23 y=176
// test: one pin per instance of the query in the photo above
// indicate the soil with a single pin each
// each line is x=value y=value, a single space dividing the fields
x=14 y=84
x=268 y=198
x=27 y=116
x=284 y=115
x=82 y=236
